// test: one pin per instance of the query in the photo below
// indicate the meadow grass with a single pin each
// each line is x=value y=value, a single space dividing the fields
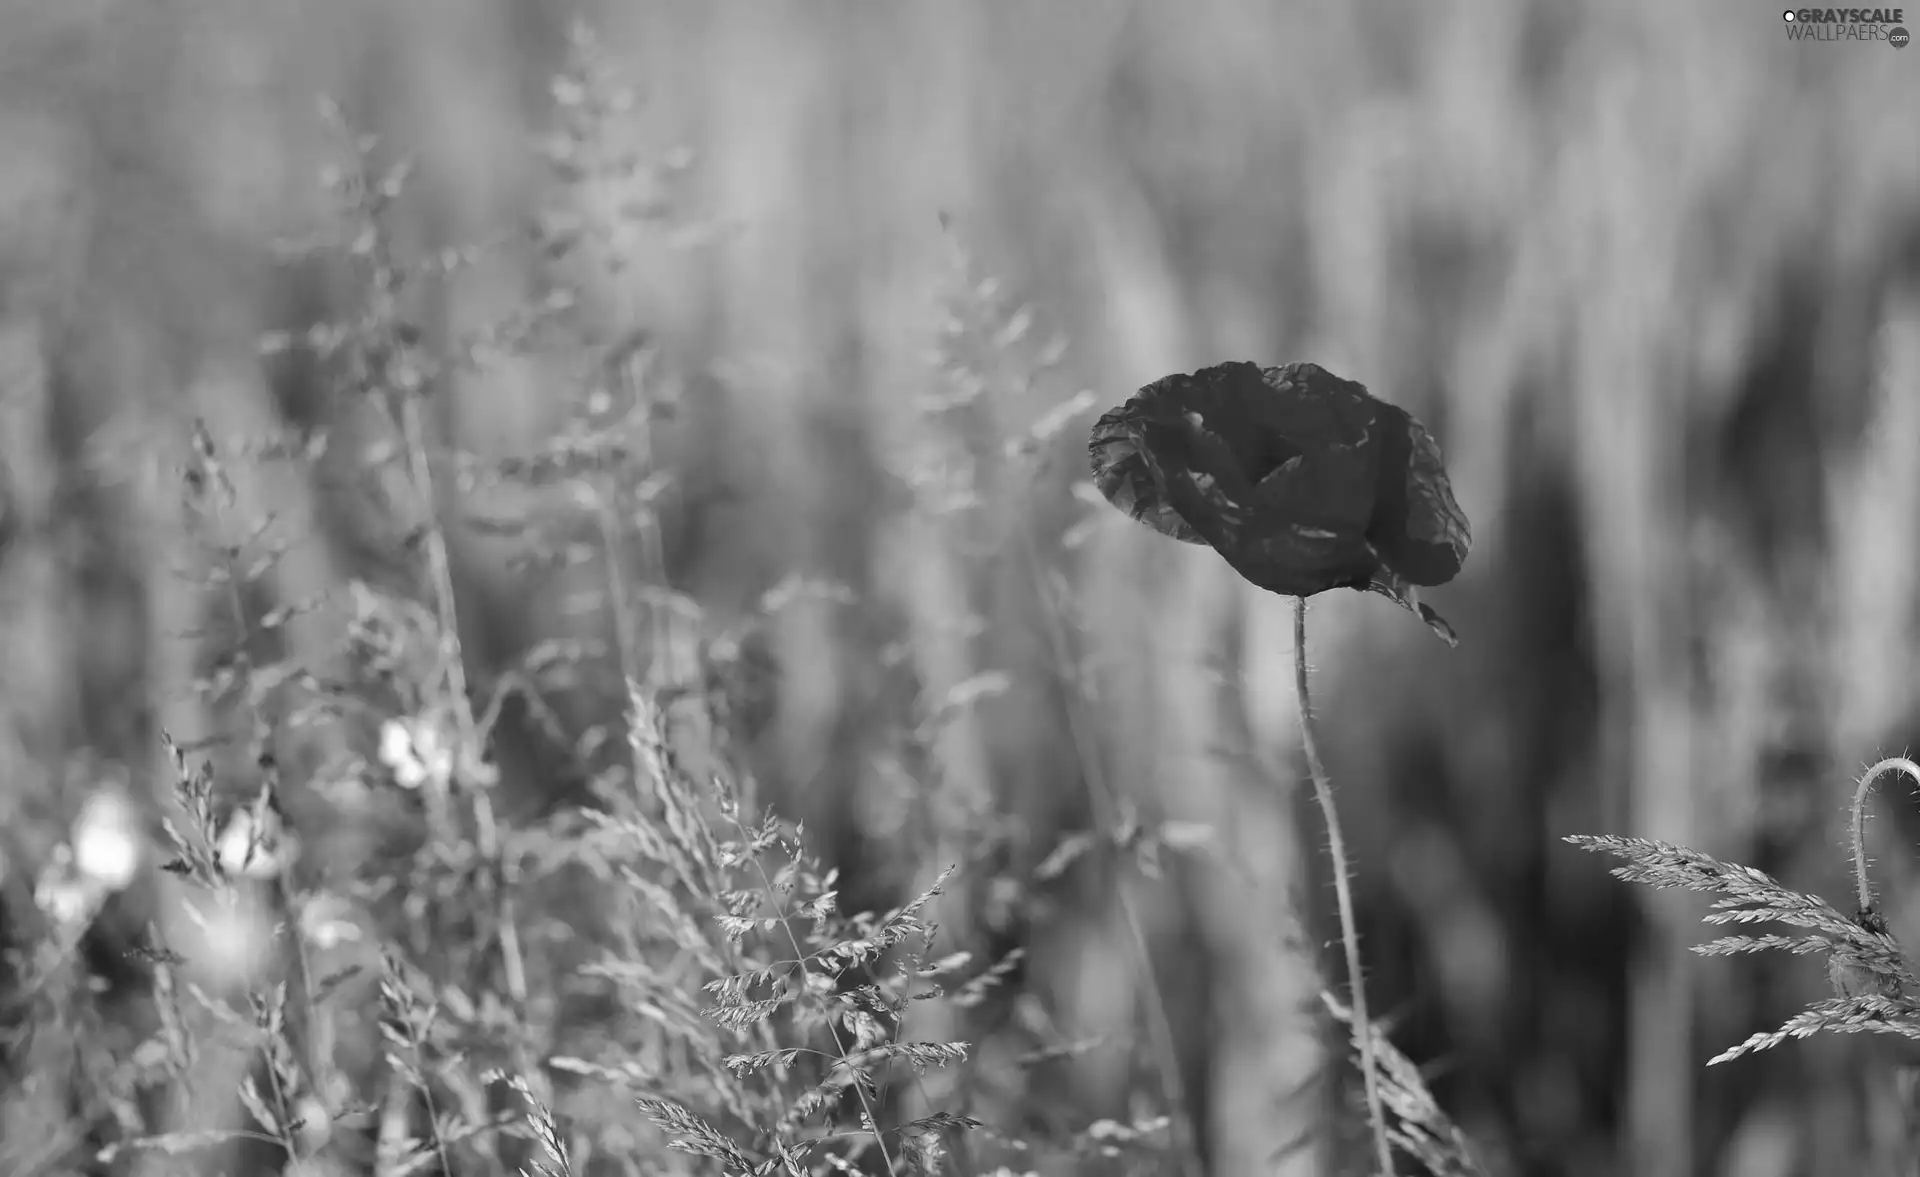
x=379 y=942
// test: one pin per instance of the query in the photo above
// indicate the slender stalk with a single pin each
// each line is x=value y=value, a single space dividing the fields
x=1103 y=799
x=800 y=956
x=1343 y=895
x=1863 y=889
x=440 y=569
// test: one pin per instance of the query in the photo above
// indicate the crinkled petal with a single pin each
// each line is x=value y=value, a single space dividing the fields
x=1122 y=473
x=1419 y=529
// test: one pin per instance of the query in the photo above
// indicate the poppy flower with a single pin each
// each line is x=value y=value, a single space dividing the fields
x=1303 y=481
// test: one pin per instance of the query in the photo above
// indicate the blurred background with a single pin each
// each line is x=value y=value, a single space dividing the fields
x=1649 y=273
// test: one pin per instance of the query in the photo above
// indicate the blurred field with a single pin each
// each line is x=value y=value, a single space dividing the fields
x=1649 y=273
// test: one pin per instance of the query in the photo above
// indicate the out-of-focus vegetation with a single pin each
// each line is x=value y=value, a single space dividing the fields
x=1651 y=274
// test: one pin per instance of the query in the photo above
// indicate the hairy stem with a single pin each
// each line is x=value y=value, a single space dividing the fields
x=1863 y=889
x=1343 y=895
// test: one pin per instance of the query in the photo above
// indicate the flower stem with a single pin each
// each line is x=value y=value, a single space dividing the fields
x=1863 y=890
x=1343 y=895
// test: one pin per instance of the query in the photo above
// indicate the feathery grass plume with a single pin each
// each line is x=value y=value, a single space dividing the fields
x=1876 y=993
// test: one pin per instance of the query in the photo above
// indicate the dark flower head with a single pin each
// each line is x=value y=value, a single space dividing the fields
x=1303 y=481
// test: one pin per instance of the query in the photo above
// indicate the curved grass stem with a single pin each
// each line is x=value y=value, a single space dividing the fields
x=1863 y=888
x=1343 y=895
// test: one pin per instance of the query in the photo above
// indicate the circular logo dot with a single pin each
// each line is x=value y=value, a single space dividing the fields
x=1787 y=16
x=1897 y=38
